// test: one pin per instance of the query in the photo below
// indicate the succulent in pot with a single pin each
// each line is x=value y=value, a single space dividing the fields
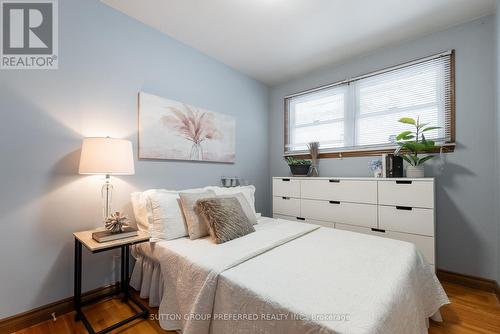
x=298 y=167
x=412 y=144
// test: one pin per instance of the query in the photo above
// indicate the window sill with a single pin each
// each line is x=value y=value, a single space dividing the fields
x=447 y=148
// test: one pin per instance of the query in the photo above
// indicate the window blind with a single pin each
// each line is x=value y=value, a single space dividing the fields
x=363 y=113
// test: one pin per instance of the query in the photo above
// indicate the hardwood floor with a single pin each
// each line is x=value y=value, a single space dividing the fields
x=470 y=311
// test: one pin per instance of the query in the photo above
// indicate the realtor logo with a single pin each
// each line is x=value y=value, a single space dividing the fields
x=29 y=34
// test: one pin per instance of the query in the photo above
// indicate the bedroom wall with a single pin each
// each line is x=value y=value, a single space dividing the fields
x=497 y=95
x=106 y=58
x=467 y=200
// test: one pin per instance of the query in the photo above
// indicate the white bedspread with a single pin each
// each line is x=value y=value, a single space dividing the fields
x=317 y=281
x=330 y=281
x=190 y=271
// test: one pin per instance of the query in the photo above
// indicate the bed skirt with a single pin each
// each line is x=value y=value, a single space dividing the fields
x=147 y=278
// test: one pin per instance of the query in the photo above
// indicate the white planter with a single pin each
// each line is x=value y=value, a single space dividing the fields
x=415 y=171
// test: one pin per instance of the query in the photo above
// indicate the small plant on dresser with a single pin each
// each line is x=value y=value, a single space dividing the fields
x=298 y=167
x=413 y=143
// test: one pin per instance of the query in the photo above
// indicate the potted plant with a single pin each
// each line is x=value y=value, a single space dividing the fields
x=412 y=144
x=298 y=167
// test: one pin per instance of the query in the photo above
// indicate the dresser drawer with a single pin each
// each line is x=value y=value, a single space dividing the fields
x=406 y=219
x=358 y=191
x=406 y=193
x=286 y=206
x=424 y=244
x=305 y=220
x=286 y=187
x=339 y=212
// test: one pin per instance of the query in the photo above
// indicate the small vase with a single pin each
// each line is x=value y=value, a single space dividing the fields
x=415 y=171
x=314 y=172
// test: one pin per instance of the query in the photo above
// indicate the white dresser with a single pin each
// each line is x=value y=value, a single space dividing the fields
x=399 y=208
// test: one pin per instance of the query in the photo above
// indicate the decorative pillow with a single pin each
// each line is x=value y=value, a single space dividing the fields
x=167 y=220
x=247 y=191
x=143 y=212
x=225 y=218
x=195 y=224
x=245 y=206
x=139 y=205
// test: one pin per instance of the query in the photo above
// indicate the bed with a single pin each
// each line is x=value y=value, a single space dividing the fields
x=289 y=277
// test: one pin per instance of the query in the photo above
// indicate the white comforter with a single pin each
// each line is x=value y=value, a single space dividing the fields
x=330 y=281
x=317 y=281
x=190 y=271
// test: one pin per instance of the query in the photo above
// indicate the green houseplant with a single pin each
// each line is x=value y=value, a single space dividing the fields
x=412 y=144
x=299 y=167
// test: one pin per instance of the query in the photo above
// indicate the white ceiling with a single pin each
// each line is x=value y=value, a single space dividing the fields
x=276 y=40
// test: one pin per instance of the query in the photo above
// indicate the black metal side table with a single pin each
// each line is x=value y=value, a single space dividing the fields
x=85 y=238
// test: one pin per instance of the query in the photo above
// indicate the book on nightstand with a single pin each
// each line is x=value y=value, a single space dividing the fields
x=103 y=236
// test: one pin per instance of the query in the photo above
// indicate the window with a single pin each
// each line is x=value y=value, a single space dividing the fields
x=360 y=116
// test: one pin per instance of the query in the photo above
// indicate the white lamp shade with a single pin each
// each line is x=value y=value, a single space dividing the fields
x=108 y=156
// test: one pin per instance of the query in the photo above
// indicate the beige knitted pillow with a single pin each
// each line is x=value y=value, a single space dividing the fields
x=225 y=218
x=195 y=224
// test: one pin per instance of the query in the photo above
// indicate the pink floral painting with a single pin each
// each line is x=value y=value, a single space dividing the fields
x=173 y=130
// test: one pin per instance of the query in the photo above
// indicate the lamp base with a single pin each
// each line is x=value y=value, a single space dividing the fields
x=106 y=195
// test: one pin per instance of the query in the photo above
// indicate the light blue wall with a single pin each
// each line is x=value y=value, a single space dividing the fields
x=497 y=95
x=106 y=58
x=467 y=187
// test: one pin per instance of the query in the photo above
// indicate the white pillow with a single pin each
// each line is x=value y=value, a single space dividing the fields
x=142 y=216
x=158 y=212
x=167 y=219
x=247 y=191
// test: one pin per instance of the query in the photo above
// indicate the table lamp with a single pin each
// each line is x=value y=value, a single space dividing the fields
x=106 y=156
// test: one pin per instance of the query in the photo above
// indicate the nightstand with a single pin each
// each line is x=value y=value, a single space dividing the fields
x=85 y=238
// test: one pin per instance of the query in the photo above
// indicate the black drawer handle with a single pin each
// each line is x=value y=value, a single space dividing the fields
x=334 y=202
x=403 y=182
x=406 y=208
x=334 y=181
x=287 y=198
x=378 y=230
x=285 y=180
x=300 y=218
